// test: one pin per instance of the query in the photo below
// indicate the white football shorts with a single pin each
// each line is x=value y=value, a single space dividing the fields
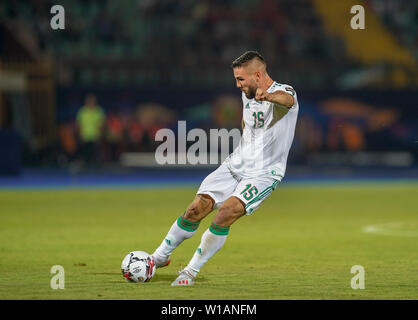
x=223 y=183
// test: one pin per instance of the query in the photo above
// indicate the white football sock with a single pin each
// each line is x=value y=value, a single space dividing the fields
x=181 y=230
x=213 y=239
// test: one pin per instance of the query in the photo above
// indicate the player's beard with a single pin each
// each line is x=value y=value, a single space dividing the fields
x=251 y=92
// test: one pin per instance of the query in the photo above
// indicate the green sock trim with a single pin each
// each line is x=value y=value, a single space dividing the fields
x=187 y=225
x=220 y=231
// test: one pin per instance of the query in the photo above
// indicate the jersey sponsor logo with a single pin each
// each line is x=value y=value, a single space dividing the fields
x=290 y=89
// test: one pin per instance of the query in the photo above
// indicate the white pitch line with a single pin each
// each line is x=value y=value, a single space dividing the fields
x=391 y=229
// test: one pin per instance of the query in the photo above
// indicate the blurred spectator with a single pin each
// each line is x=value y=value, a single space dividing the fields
x=90 y=125
x=227 y=112
x=151 y=117
x=135 y=133
x=114 y=137
x=68 y=141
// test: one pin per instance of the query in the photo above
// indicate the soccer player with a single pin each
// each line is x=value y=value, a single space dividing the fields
x=248 y=175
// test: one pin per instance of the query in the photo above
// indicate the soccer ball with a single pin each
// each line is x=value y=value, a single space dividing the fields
x=138 y=266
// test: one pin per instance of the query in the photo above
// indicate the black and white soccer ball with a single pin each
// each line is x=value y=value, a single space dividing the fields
x=138 y=266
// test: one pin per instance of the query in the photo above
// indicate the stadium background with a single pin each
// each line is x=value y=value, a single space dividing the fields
x=151 y=63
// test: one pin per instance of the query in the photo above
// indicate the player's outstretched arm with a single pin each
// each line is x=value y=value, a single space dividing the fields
x=278 y=97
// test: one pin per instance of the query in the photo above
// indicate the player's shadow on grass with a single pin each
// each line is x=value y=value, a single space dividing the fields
x=157 y=278
x=170 y=278
x=105 y=273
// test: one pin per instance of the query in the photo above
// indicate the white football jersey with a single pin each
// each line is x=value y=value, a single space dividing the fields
x=267 y=137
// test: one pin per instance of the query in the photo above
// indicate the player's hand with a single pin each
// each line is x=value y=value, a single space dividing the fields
x=261 y=95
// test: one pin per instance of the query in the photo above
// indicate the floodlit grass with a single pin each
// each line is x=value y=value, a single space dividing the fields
x=300 y=244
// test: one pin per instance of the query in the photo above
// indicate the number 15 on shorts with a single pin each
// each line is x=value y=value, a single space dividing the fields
x=249 y=192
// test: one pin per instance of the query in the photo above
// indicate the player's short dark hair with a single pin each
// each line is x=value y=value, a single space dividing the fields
x=247 y=57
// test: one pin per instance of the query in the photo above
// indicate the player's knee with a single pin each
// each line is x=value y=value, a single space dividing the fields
x=192 y=213
x=199 y=208
x=229 y=212
x=235 y=206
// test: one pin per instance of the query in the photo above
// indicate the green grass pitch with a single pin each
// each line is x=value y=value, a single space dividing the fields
x=300 y=244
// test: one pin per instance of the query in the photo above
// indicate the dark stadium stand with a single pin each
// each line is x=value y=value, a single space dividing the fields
x=127 y=52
